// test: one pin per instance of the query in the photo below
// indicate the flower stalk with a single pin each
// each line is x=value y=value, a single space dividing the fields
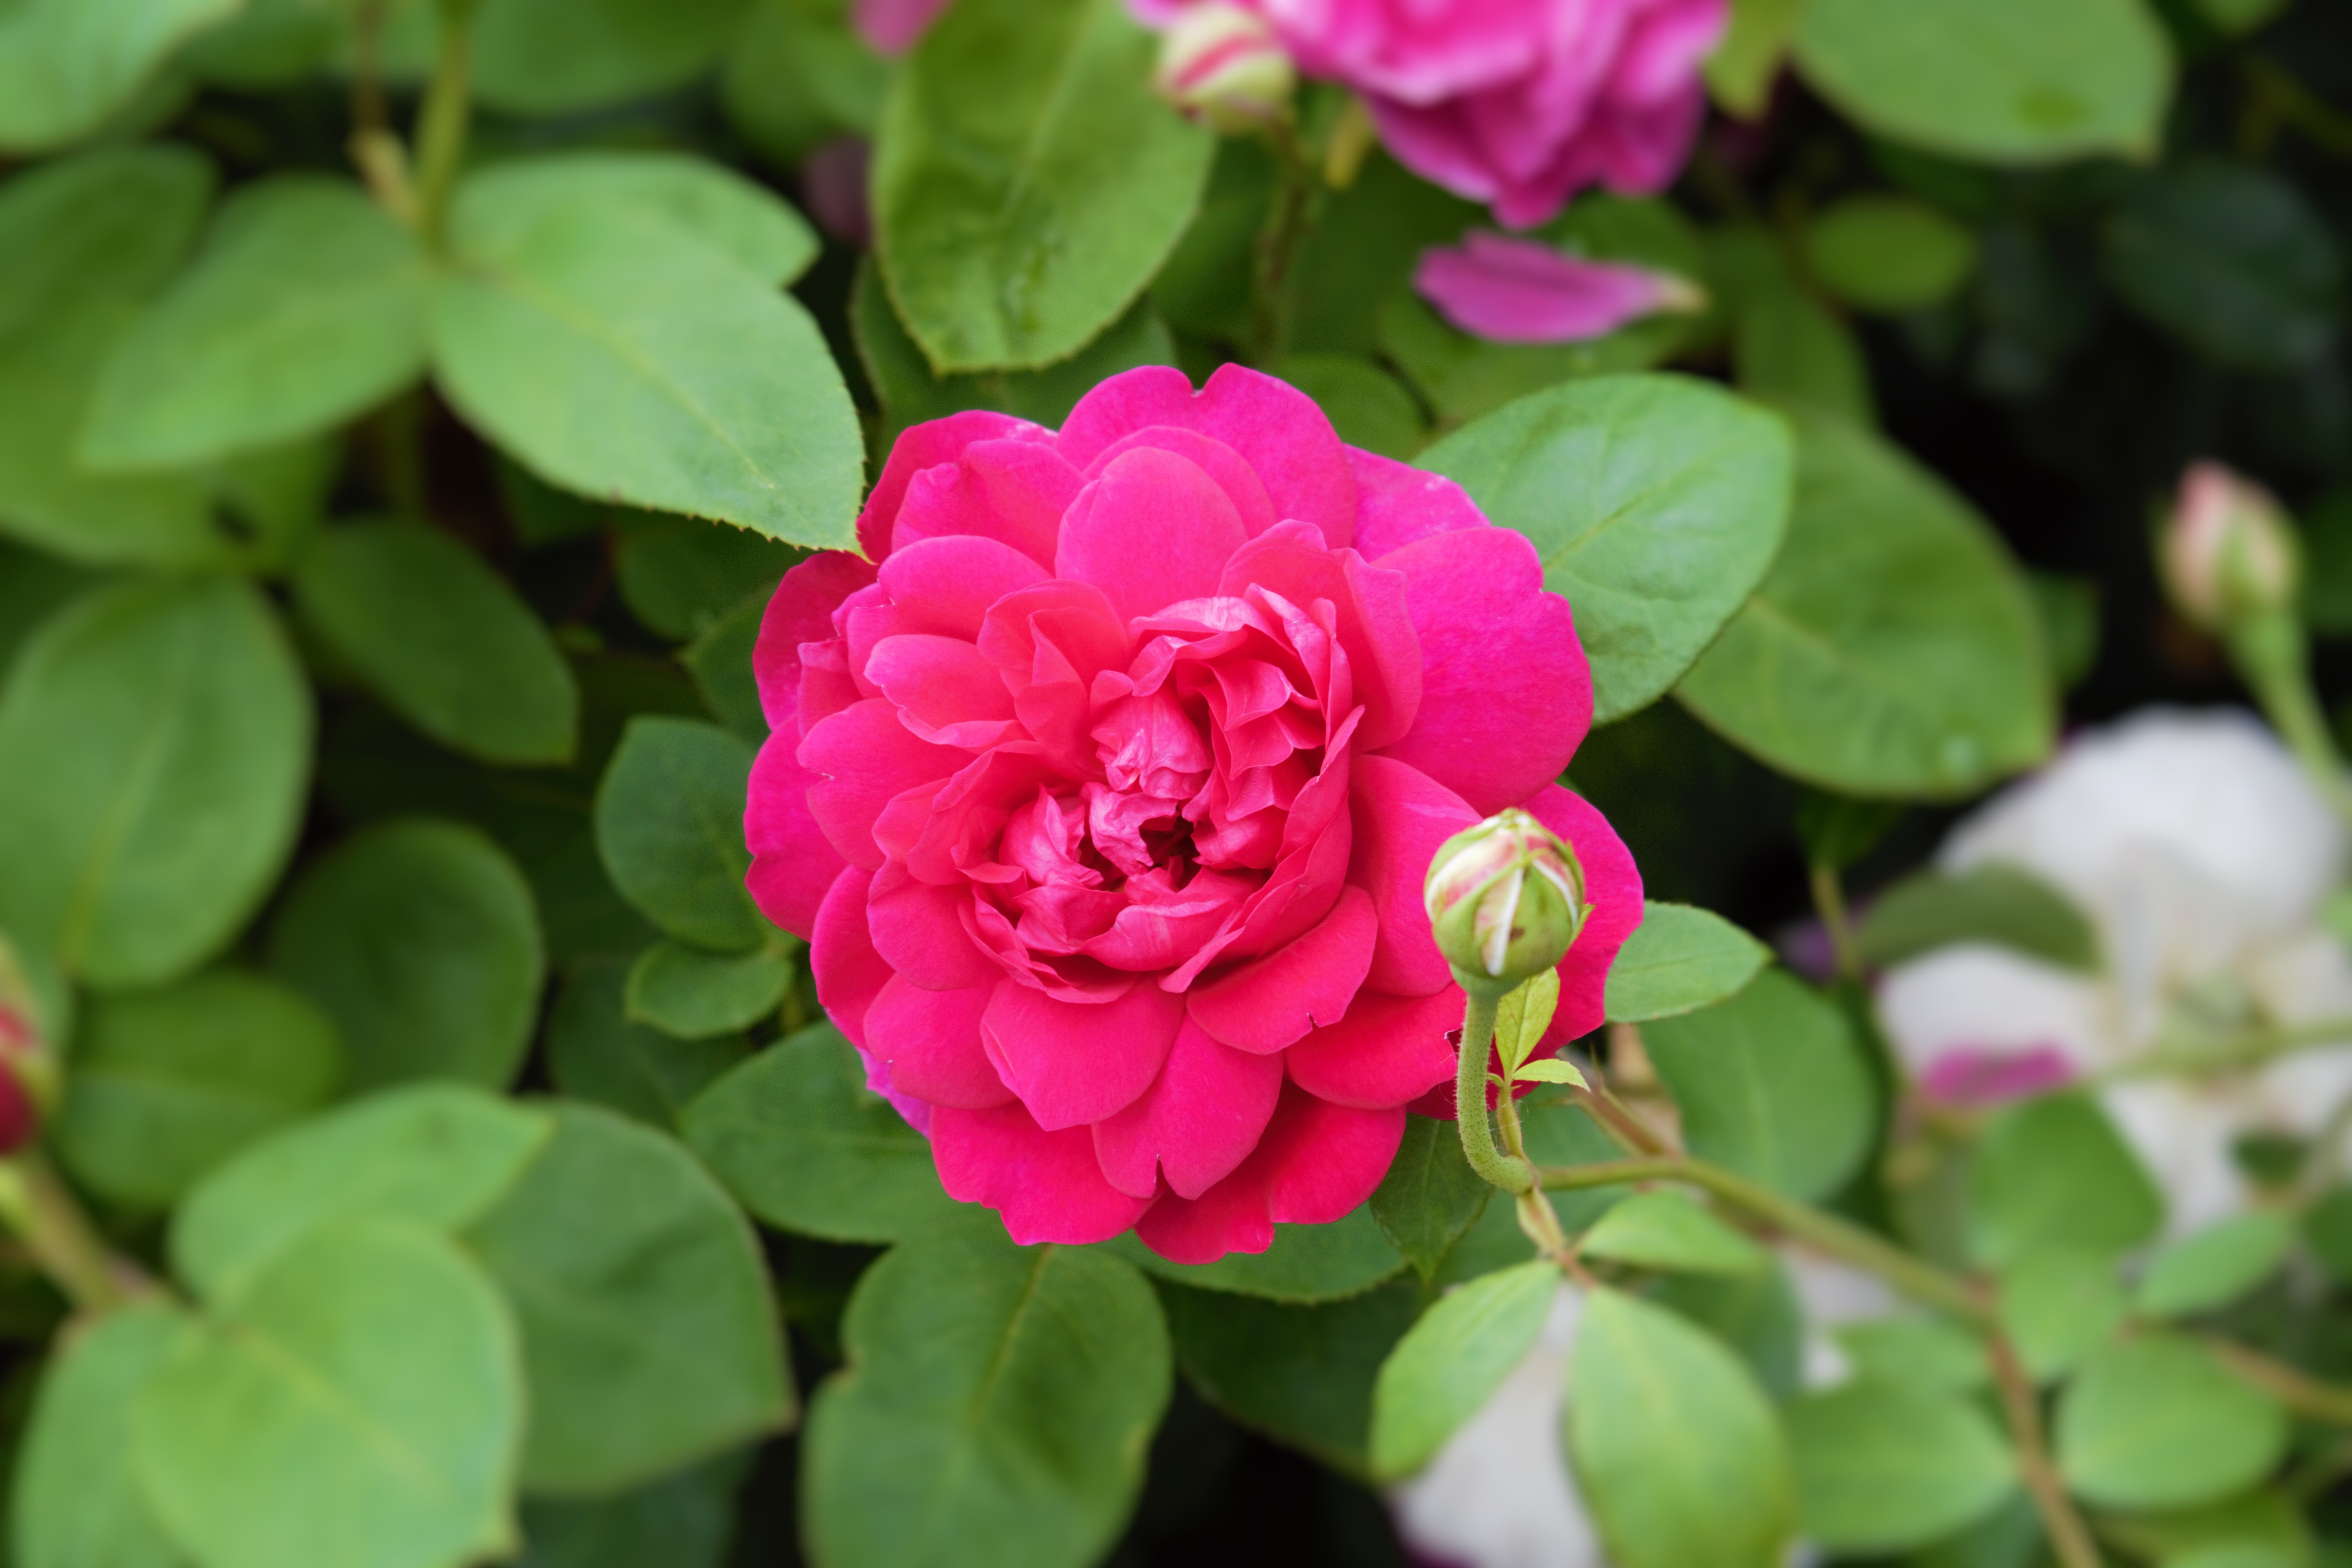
x=442 y=124
x=1511 y=1172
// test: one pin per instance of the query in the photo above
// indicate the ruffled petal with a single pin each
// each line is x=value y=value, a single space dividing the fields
x=794 y=865
x=862 y=757
x=929 y=1040
x=1045 y=1186
x=1073 y=1063
x=1316 y=1164
x=1398 y=503
x=1402 y=815
x=848 y=972
x=1153 y=530
x=918 y=929
x=1013 y=491
x=1372 y=622
x=1263 y=1007
x=926 y=446
x=1388 y=1050
x=946 y=585
x=1613 y=886
x=1196 y=1123
x=800 y=611
x=1229 y=469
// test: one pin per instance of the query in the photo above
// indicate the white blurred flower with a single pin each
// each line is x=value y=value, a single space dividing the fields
x=2203 y=856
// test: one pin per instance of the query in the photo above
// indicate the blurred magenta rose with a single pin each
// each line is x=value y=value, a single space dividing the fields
x=1103 y=785
x=1516 y=103
x=1524 y=291
x=894 y=26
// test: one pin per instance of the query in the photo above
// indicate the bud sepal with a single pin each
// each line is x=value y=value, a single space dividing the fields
x=1506 y=900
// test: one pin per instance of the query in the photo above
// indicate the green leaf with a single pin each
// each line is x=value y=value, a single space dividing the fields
x=1551 y=1069
x=360 y=1403
x=2231 y=261
x=796 y=78
x=700 y=199
x=649 y=1336
x=2068 y=606
x=1932 y=1354
x=165 y=1084
x=2053 y=1172
x=1755 y=1316
x=2216 y=1266
x=679 y=575
x=911 y=394
x=1678 y=960
x=801 y=1143
x=719 y=659
x=1891 y=650
x=1556 y=1134
x=155 y=746
x=306 y=306
x=76 y=1503
x=2327 y=1231
x=84 y=242
x=1888 y=1466
x=595 y=1053
x=1771 y=1083
x=1464 y=377
x=1675 y=1449
x=441 y=638
x=1357 y=257
x=1027 y=182
x=1655 y=501
x=1307 y=1263
x=1838 y=830
x=437 y=1156
x=1888 y=253
x=669 y=825
x=1993 y=902
x=1431 y=1196
x=995 y=1409
x=1367 y=406
x=687 y=995
x=1745 y=65
x=2157 y=1421
x=560 y=57
x=2058 y=1305
x=610 y=351
x=1789 y=348
x=418 y=937
x=66 y=66
x=2263 y=1529
x=1666 y=1230
x=685 y=1521
x=1523 y=1015
x=33 y=587
x=1301 y=1375
x=2000 y=81
x=1450 y=1364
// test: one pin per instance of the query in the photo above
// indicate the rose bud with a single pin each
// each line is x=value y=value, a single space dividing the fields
x=1506 y=899
x=1221 y=65
x=2227 y=551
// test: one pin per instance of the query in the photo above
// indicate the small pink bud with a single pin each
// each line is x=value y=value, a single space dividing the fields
x=2227 y=551
x=1221 y=65
x=1506 y=899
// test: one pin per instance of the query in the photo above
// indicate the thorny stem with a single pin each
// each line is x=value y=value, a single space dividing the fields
x=2270 y=653
x=1537 y=1218
x=1616 y=1118
x=442 y=123
x=1921 y=1280
x=1511 y=1172
x=2068 y=1537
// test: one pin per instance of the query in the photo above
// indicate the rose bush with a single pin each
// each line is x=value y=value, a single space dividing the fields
x=1103 y=782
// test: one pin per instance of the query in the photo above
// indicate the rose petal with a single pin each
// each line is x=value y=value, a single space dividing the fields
x=862 y=757
x=1398 y=503
x=1013 y=491
x=794 y=865
x=1073 y=1062
x=1231 y=471
x=1372 y=622
x=848 y=972
x=930 y=1042
x=1388 y=1050
x=1505 y=693
x=1196 y=1123
x=1523 y=292
x=1316 y=1164
x=926 y=446
x=1402 y=815
x=800 y=611
x=1613 y=886
x=918 y=928
x=1045 y=1186
x=940 y=681
x=1153 y=530
x=894 y=26
x=946 y=585
x=1263 y=1007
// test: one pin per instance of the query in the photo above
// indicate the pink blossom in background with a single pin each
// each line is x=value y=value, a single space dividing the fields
x=834 y=187
x=894 y=26
x=1524 y=291
x=1103 y=781
x=1516 y=103
x=1971 y=1077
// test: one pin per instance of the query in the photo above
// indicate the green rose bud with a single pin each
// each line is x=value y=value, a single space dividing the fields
x=2228 y=551
x=1506 y=899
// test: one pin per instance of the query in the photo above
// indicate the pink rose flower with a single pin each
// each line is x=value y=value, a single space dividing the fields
x=894 y=26
x=1104 y=782
x=1524 y=291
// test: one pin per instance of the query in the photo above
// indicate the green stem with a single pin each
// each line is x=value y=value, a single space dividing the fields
x=2250 y=1049
x=61 y=1239
x=1829 y=902
x=2270 y=653
x=1920 y=1280
x=2069 y=1540
x=1285 y=225
x=443 y=122
x=1510 y=1172
x=2290 y=1387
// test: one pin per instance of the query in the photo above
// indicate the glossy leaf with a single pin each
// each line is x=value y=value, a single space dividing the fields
x=995 y=1408
x=691 y=994
x=436 y=1156
x=1888 y=1466
x=1758 y=1317
x=1771 y=1084
x=305 y=307
x=67 y=65
x=797 y=1139
x=419 y=939
x=1450 y=1364
x=705 y=201
x=669 y=825
x=1027 y=183
x=155 y=747
x=1678 y=960
x=1891 y=650
x=2157 y=1421
x=1301 y=1375
x=679 y=575
x=1888 y=253
x=1933 y=1354
x=1993 y=902
x=720 y=661
x=1677 y=1453
x=2008 y=81
x=1666 y=1230
x=613 y=351
x=167 y=1084
x=75 y=1502
x=1656 y=503
x=361 y=1402
x=443 y=638
x=2213 y=1267
x=594 y=1052
x=2053 y=1172
x=649 y=1336
x=2057 y=1305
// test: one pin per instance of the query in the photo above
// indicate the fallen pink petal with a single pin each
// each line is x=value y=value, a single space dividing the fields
x=1513 y=290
